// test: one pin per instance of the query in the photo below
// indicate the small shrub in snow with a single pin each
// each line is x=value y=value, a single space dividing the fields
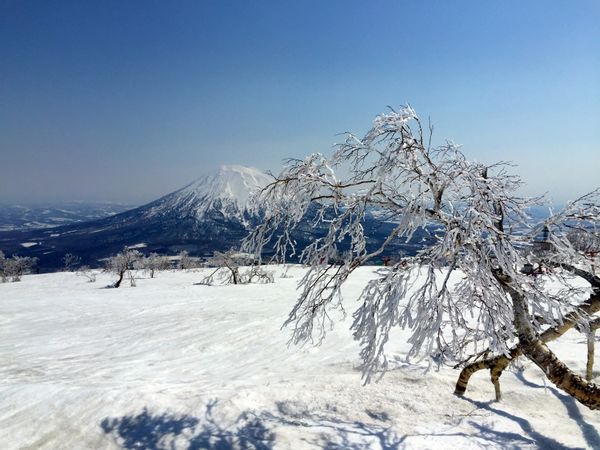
x=285 y=273
x=14 y=268
x=257 y=274
x=87 y=273
x=230 y=269
x=71 y=262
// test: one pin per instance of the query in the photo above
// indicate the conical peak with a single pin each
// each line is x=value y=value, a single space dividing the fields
x=228 y=190
x=250 y=176
x=234 y=182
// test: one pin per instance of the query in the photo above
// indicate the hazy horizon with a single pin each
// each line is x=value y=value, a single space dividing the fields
x=128 y=101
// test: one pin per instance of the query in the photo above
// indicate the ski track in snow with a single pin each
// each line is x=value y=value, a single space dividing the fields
x=170 y=364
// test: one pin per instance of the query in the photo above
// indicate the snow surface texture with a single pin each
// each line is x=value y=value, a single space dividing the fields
x=227 y=191
x=169 y=364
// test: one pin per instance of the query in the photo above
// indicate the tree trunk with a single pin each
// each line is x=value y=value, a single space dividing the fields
x=499 y=363
x=118 y=282
x=534 y=349
x=496 y=365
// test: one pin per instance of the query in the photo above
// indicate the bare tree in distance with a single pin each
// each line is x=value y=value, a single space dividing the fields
x=153 y=263
x=229 y=267
x=185 y=262
x=465 y=298
x=122 y=264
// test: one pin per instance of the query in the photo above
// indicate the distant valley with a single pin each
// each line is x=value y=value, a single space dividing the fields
x=49 y=215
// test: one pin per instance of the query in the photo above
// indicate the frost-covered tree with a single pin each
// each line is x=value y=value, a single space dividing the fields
x=153 y=263
x=123 y=263
x=464 y=298
x=257 y=274
x=586 y=241
x=185 y=261
x=234 y=267
x=14 y=268
x=227 y=267
x=71 y=262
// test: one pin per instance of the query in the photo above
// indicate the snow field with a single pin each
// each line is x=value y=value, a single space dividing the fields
x=170 y=364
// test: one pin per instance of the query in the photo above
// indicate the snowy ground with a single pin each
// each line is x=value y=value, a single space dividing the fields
x=170 y=364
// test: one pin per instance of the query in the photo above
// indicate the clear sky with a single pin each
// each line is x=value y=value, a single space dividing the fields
x=128 y=100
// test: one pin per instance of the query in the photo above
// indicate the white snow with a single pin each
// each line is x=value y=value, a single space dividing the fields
x=170 y=364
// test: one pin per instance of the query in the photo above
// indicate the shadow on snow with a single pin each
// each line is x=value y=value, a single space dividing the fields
x=253 y=430
x=589 y=432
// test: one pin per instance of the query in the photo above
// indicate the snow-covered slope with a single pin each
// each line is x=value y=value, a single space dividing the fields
x=173 y=365
x=227 y=191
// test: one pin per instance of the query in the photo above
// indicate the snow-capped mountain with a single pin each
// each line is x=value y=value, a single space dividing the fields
x=226 y=192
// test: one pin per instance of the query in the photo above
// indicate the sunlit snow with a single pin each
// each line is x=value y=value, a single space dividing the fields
x=169 y=364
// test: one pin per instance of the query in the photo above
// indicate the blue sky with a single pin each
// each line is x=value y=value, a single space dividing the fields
x=126 y=101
